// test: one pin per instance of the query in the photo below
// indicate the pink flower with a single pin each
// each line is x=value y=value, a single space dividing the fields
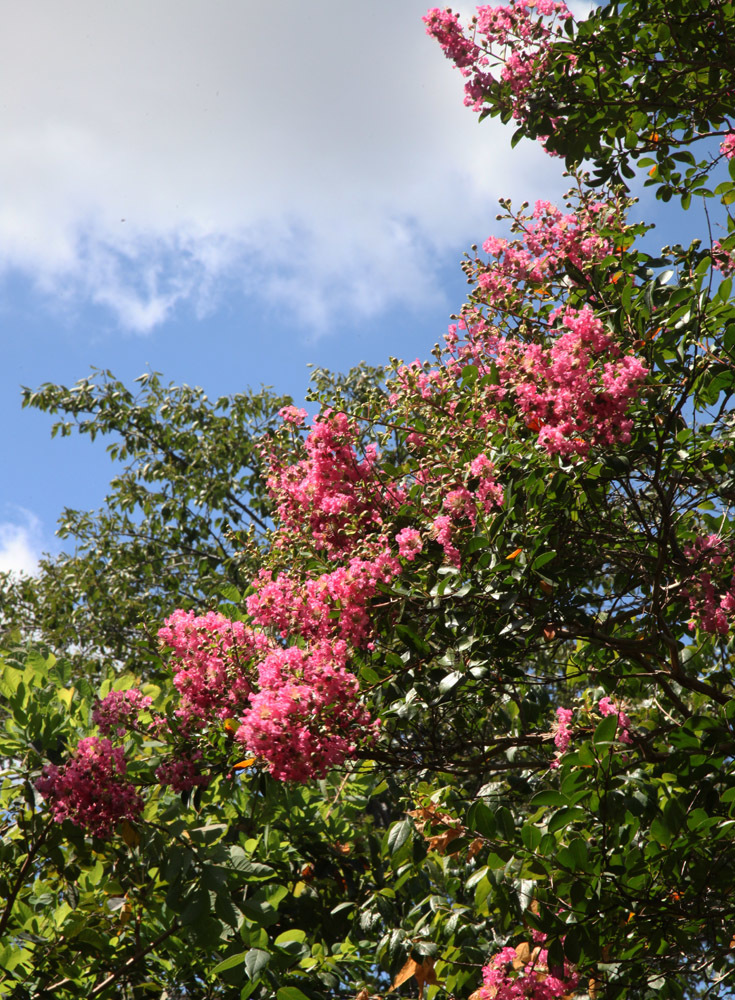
x=211 y=665
x=292 y=415
x=607 y=707
x=91 y=790
x=182 y=773
x=508 y=977
x=710 y=589
x=409 y=543
x=119 y=710
x=306 y=717
x=728 y=146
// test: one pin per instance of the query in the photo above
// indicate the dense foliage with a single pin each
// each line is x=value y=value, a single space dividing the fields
x=430 y=695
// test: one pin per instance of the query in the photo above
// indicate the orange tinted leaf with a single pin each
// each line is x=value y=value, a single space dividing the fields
x=514 y=554
x=429 y=976
x=475 y=848
x=442 y=841
x=248 y=762
x=408 y=970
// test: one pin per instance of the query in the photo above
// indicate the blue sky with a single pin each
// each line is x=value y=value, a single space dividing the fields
x=224 y=193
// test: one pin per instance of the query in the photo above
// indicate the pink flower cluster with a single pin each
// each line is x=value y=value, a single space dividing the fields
x=508 y=977
x=297 y=708
x=409 y=543
x=444 y=26
x=182 y=772
x=332 y=604
x=551 y=239
x=306 y=717
x=711 y=587
x=728 y=146
x=562 y=733
x=211 y=663
x=516 y=37
x=607 y=707
x=91 y=790
x=723 y=260
x=576 y=392
x=292 y=415
x=119 y=711
x=331 y=487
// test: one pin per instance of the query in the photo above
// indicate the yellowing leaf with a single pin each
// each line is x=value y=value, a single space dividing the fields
x=129 y=834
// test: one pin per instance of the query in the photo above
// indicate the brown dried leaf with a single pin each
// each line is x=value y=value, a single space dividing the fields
x=423 y=972
x=523 y=955
x=408 y=970
x=442 y=841
x=429 y=974
x=475 y=848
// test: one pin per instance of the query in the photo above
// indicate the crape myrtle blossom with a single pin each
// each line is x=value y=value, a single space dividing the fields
x=91 y=789
x=710 y=589
x=562 y=732
x=119 y=710
x=409 y=543
x=211 y=661
x=335 y=491
x=607 y=707
x=523 y=973
x=728 y=146
x=332 y=604
x=722 y=259
x=296 y=709
x=294 y=415
x=306 y=717
x=513 y=39
x=182 y=772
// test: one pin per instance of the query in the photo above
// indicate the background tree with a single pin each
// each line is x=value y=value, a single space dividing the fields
x=465 y=727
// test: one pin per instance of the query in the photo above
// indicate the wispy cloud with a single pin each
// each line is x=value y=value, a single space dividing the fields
x=317 y=155
x=20 y=543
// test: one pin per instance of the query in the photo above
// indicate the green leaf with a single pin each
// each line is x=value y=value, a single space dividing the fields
x=398 y=835
x=481 y=819
x=256 y=960
x=564 y=817
x=291 y=993
x=605 y=731
x=229 y=963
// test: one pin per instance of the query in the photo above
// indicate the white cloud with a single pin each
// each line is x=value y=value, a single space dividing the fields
x=20 y=544
x=318 y=154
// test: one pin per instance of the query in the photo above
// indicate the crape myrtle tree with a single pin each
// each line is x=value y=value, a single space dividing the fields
x=462 y=725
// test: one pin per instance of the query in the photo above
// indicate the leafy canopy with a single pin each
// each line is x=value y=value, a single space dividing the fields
x=430 y=695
